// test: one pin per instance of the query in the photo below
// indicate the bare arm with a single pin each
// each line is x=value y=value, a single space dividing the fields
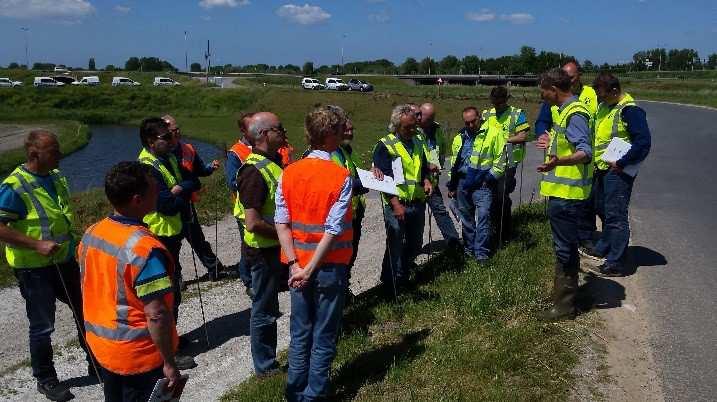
x=256 y=224
x=20 y=240
x=159 y=324
x=576 y=158
x=300 y=277
x=283 y=231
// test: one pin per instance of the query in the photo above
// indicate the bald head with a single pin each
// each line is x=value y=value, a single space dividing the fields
x=38 y=139
x=428 y=114
x=261 y=122
x=42 y=150
x=173 y=128
x=573 y=70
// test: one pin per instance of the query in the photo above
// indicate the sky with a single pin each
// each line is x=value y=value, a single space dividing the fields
x=282 y=32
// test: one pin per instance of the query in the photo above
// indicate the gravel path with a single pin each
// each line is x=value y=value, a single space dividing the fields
x=12 y=136
x=227 y=308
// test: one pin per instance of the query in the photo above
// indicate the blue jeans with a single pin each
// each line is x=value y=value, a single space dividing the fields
x=41 y=287
x=403 y=242
x=265 y=277
x=315 y=321
x=443 y=220
x=612 y=196
x=588 y=209
x=244 y=272
x=564 y=216
x=475 y=210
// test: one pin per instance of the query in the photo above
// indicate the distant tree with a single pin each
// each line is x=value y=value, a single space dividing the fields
x=712 y=61
x=471 y=65
x=410 y=66
x=427 y=65
x=308 y=69
x=195 y=67
x=43 y=66
x=588 y=65
x=449 y=65
x=132 y=64
x=110 y=67
x=527 y=60
x=91 y=64
x=13 y=66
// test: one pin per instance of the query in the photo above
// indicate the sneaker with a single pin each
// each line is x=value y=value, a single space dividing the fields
x=610 y=270
x=589 y=252
x=54 y=391
x=185 y=362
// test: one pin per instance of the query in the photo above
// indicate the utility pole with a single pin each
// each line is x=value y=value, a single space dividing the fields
x=343 y=36
x=430 y=47
x=208 y=59
x=186 y=55
x=27 y=51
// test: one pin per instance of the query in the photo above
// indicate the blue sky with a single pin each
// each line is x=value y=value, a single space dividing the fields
x=281 y=32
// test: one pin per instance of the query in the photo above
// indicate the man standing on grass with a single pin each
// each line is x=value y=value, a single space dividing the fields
x=36 y=227
x=257 y=183
x=618 y=117
x=313 y=220
x=126 y=277
x=434 y=138
x=193 y=167
x=174 y=192
x=567 y=180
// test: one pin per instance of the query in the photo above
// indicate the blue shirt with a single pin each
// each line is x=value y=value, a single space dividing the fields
x=544 y=122
x=231 y=167
x=334 y=223
x=636 y=121
x=168 y=203
x=12 y=208
x=578 y=131
x=464 y=155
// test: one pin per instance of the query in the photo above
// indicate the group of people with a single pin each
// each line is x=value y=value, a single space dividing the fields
x=300 y=224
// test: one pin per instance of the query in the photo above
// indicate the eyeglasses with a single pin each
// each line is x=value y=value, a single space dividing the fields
x=165 y=136
x=174 y=130
x=279 y=129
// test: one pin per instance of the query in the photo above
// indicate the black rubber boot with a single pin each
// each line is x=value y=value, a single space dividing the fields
x=565 y=290
x=55 y=391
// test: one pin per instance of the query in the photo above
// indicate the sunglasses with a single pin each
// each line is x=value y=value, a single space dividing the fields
x=165 y=137
x=279 y=129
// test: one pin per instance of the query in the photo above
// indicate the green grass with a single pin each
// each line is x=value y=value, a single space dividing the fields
x=464 y=332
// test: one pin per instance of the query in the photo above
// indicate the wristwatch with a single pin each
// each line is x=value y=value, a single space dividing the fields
x=292 y=262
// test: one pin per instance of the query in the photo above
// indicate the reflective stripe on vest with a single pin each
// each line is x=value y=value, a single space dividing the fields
x=505 y=130
x=270 y=172
x=160 y=224
x=608 y=125
x=410 y=190
x=588 y=97
x=568 y=182
x=49 y=221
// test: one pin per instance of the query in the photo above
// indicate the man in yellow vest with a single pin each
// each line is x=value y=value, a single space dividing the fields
x=510 y=125
x=257 y=180
x=618 y=116
x=566 y=182
x=174 y=195
x=36 y=227
x=404 y=214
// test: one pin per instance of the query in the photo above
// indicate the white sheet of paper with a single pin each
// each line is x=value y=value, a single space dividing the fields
x=616 y=149
x=387 y=185
x=397 y=168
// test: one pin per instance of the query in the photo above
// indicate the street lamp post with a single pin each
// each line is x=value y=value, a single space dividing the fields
x=186 y=55
x=343 y=37
x=27 y=51
x=430 y=48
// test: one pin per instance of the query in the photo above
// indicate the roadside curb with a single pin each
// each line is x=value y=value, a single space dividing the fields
x=679 y=104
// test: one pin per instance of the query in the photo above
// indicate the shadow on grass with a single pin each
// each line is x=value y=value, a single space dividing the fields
x=375 y=364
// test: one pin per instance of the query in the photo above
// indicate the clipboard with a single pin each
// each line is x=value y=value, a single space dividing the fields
x=161 y=394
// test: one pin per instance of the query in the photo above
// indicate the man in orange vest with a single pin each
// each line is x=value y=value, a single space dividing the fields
x=193 y=167
x=236 y=156
x=313 y=222
x=128 y=292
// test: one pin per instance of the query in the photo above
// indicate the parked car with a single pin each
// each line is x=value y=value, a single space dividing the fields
x=60 y=69
x=124 y=81
x=46 y=82
x=92 y=80
x=164 y=81
x=65 y=79
x=336 y=84
x=358 y=85
x=311 y=83
x=8 y=83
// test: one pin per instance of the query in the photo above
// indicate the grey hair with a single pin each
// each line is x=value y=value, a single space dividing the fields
x=396 y=114
x=257 y=126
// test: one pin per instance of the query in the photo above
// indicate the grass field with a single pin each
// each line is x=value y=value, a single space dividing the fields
x=463 y=333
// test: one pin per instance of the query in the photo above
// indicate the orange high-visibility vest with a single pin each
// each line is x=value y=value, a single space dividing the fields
x=111 y=256
x=187 y=162
x=285 y=153
x=241 y=150
x=310 y=187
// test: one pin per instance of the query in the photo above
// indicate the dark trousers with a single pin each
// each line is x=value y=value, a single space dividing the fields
x=440 y=214
x=195 y=237
x=41 y=287
x=130 y=388
x=174 y=244
x=501 y=206
x=266 y=273
x=612 y=195
x=587 y=214
x=564 y=215
x=244 y=271
x=356 y=225
x=403 y=242
x=315 y=323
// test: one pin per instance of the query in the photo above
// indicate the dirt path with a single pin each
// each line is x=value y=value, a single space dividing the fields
x=227 y=309
x=12 y=136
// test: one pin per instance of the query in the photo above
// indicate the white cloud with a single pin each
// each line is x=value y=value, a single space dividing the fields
x=484 y=15
x=381 y=17
x=206 y=18
x=223 y=3
x=122 y=9
x=518 y=18
x=63 y=9
x=304 y=15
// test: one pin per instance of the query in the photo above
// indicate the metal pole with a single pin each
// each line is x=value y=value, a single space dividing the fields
x=388 y=250
x=502 y=198
x=27 y=52
x=186 y=54
x=196 y=276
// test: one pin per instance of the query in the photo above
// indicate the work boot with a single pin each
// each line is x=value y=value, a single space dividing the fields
x=608 y=269
x=54 y=391
x=587 y=249
x=565 y=289
x=185 y=362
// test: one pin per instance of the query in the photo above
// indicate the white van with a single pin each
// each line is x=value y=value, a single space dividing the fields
x=90 y=81
x=46 y=82
x=7 y=82
x=124 y=81
x=164 y=81
x=311 y=83
x=336 y=84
